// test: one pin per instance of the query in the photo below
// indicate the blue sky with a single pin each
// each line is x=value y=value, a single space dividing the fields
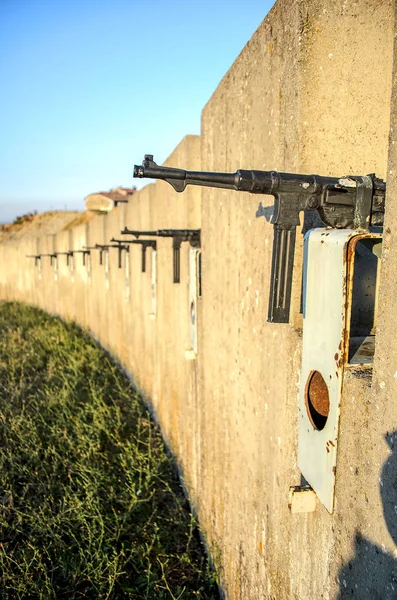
x=89 y=86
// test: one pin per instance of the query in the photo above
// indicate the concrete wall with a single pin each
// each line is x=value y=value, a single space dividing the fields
x=309 y=93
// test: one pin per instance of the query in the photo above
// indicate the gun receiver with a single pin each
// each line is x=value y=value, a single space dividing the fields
x=178 y=236
x=144 y=244
x=356 y=202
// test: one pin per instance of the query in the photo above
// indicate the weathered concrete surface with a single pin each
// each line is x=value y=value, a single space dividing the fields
x=286 y=104
x=309 y=93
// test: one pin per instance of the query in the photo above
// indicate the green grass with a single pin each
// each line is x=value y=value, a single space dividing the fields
x=90 y=504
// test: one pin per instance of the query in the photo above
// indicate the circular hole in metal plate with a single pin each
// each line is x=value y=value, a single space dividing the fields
x=317 y=400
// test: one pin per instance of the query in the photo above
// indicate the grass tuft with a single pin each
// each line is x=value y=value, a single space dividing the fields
x=90 y=504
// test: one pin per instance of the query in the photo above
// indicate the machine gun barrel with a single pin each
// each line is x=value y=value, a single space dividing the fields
x=186 y=235
x=179 y=178
x=137 y=233
x=341 y=202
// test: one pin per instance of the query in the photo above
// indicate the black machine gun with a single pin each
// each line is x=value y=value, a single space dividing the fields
x=105 y=247
x=356 y=202
x=144 y=244
x=53 y=255
x=37 y=258
x=178 y=236
x=83 y=252
x=68 y=254
x=88 y=249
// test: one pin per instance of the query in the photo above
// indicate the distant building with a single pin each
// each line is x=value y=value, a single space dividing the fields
x=103 y=202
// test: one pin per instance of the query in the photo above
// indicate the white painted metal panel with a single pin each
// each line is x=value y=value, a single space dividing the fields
x=88 y=268
x=71 y=263
x=193 y=275
x=324 y=301
x=55 y=263
x=127 y=274
x=154 y=282
x=107 y=278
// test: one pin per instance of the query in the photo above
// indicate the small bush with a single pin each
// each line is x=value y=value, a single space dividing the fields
x=26 y=218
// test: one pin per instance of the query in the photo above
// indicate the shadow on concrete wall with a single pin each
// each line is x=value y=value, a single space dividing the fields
x=264 y=211
x=371 y=574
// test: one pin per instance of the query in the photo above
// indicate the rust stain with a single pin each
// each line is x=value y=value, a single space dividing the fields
x=316 y=400
x=260 y=547
x=336 y=356
x=270 y=47
x=317 y=393
x=351 y=249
